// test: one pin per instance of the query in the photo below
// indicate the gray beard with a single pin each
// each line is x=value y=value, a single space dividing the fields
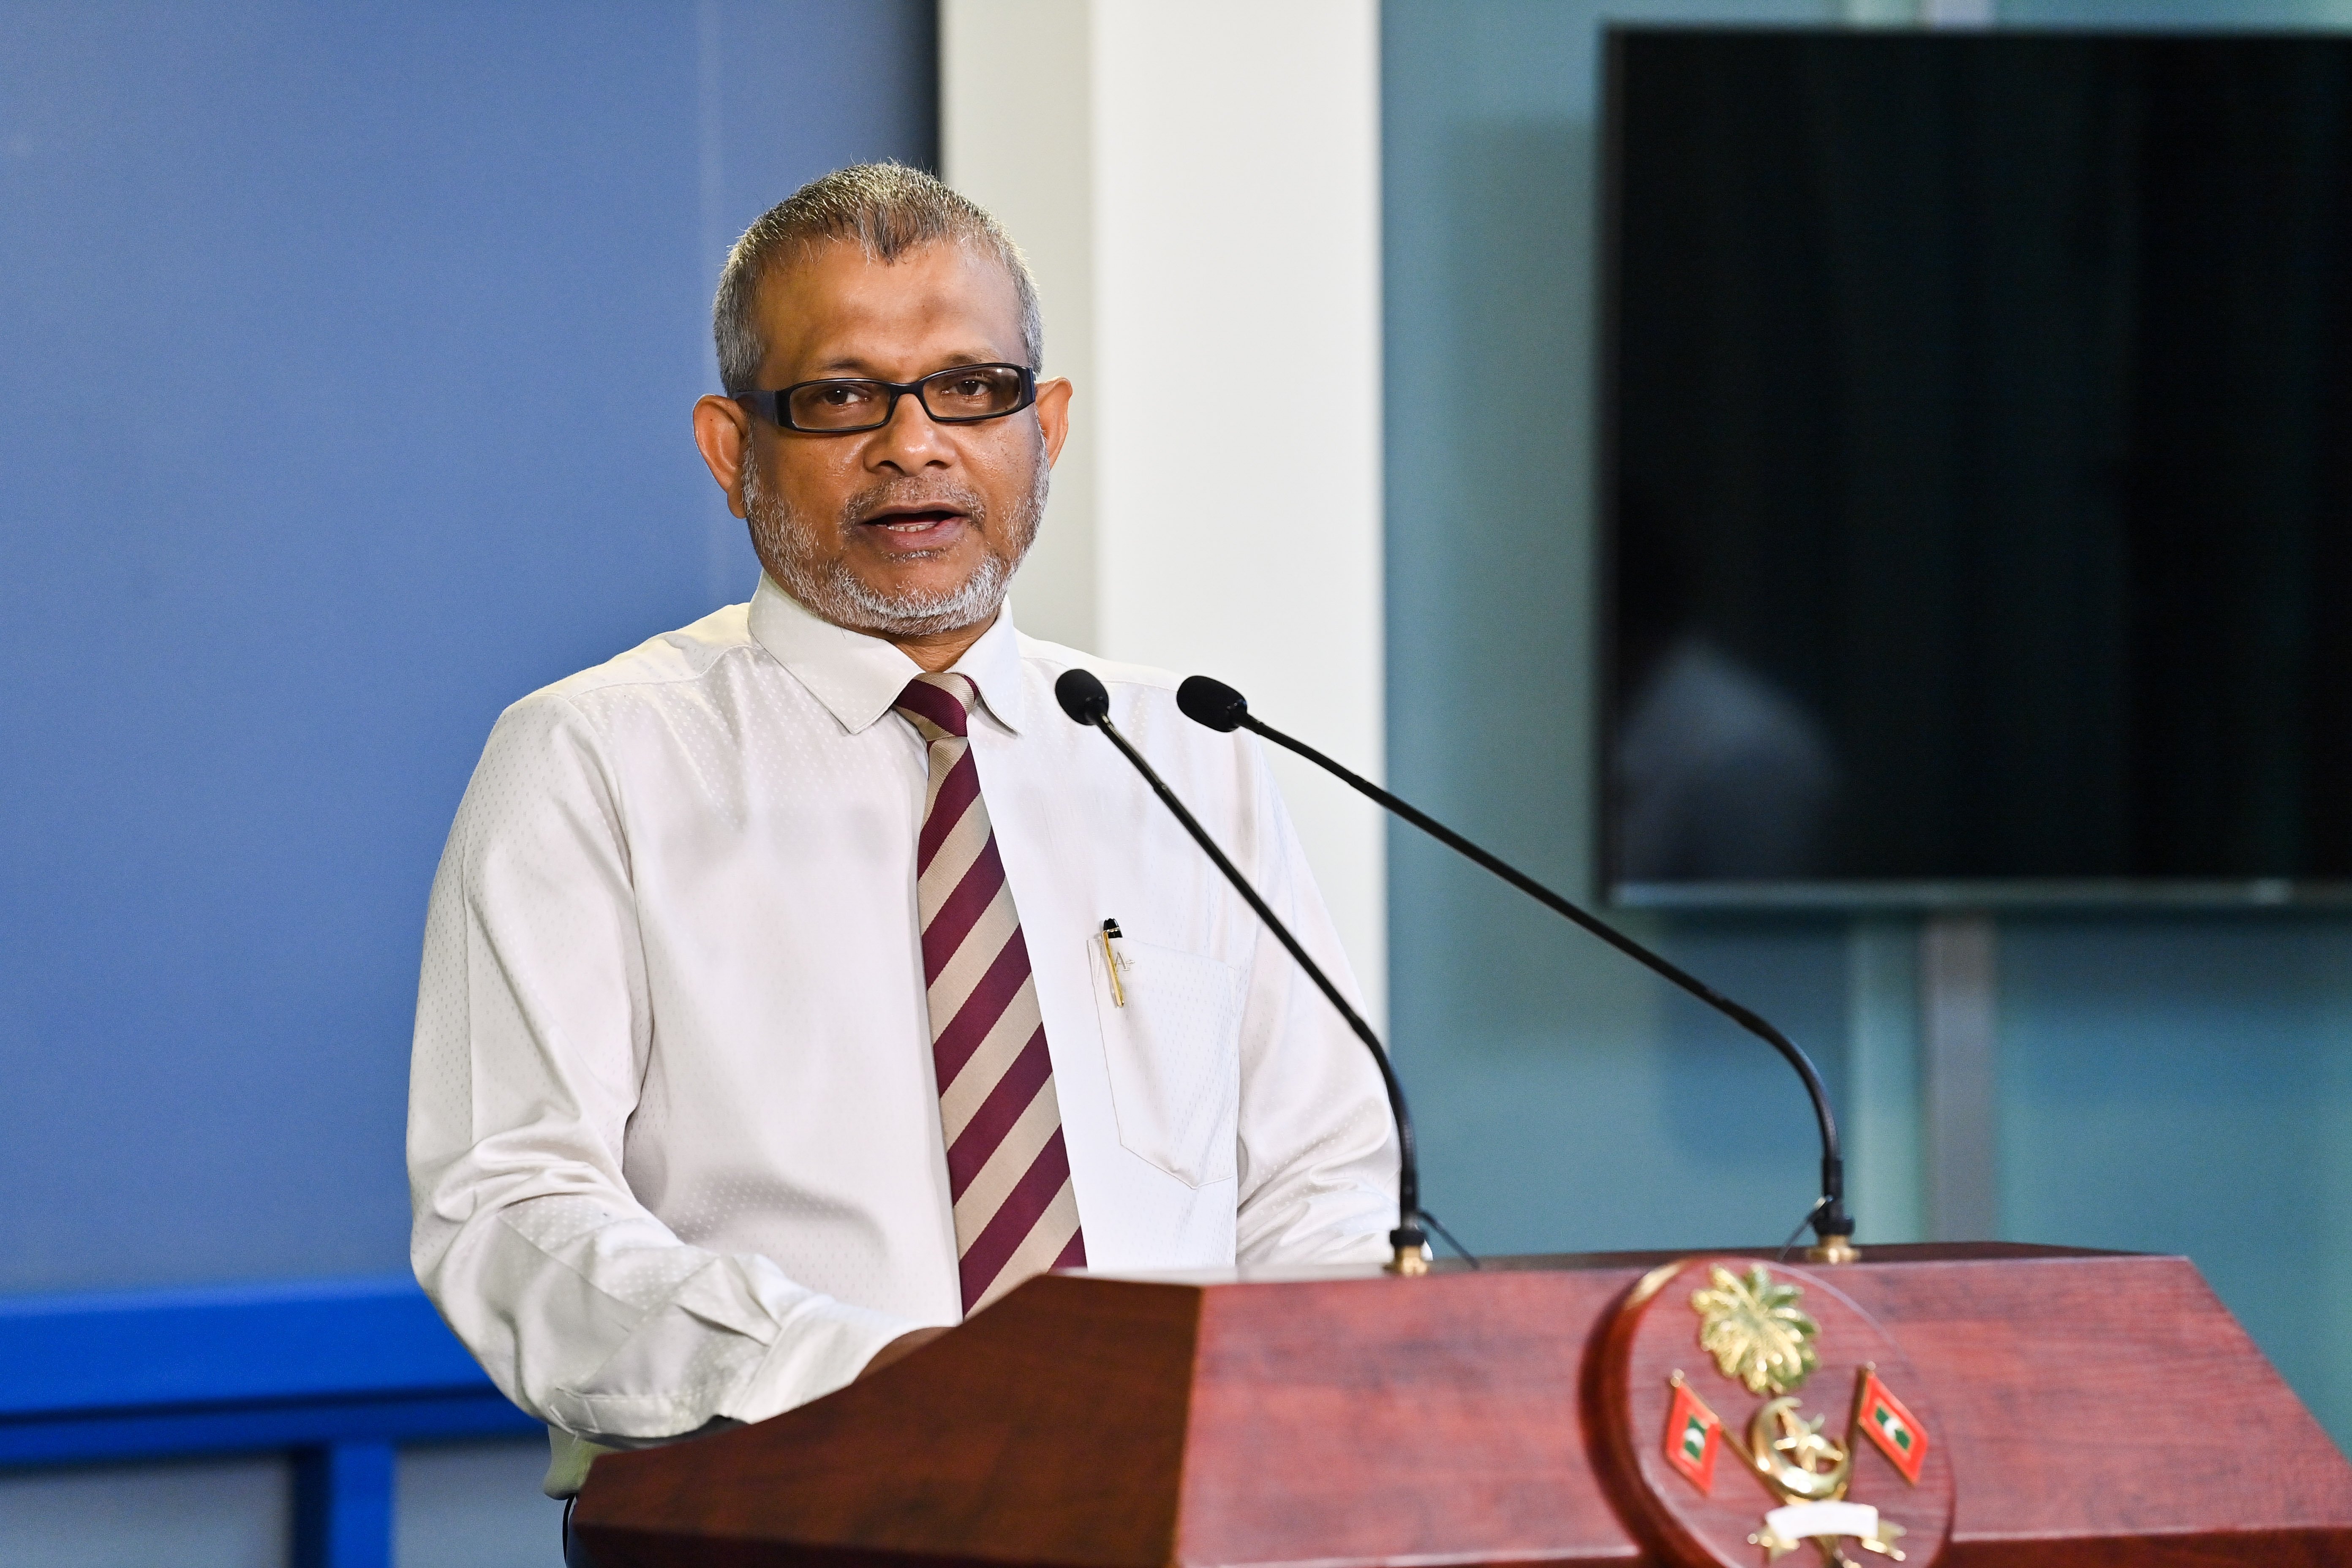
x=786 y=543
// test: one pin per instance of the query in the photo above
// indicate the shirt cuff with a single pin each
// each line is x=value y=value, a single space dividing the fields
x=823 y=1346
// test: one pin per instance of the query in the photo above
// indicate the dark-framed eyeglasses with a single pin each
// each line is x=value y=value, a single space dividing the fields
x=959 y=395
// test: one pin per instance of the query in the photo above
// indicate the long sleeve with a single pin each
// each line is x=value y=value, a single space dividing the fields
x=1318 y=1149
x=533 y=1034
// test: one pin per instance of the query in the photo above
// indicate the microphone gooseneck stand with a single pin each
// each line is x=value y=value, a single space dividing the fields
x=1082 y=697
x=1220 y=707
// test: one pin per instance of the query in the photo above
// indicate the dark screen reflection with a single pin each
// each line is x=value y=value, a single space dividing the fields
x=1720 y=774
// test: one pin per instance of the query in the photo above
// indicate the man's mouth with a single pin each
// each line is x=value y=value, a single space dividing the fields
x=915 y=527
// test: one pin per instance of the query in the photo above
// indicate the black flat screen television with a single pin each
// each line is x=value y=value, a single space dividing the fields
x=1975 y=467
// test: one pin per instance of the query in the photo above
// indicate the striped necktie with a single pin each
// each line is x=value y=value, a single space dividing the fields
x=1016 y=1214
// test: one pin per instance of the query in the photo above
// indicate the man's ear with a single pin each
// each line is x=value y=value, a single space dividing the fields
x=723 y=432
x=1054 y=415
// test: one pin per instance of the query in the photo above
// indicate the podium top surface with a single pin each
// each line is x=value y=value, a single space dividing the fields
x=1580 y=1262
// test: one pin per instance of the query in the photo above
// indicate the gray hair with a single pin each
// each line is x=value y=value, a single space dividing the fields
x=887 y=210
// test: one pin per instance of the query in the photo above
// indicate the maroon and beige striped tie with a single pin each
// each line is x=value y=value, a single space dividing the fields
x=1017 y=1213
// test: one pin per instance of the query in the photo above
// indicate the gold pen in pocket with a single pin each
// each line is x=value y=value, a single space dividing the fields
x=1111 y=962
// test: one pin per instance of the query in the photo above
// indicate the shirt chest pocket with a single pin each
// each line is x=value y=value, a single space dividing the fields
x=1172 y=1032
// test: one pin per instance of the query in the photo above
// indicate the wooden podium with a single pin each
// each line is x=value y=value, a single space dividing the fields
x=2092 y=1409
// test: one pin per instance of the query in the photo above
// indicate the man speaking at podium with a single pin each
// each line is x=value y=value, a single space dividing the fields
x=801 y=981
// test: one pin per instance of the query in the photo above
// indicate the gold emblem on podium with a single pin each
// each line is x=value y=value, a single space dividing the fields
x=1810 y=1411
x=1760 y=1335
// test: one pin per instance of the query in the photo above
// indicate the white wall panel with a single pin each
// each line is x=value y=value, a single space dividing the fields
x=1016 y=116
x=1212 y=255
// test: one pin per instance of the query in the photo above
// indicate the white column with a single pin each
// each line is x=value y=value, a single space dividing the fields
x=1198 y=189
x=1016 y=134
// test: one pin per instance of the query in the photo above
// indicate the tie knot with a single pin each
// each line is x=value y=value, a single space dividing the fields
x=940 y=701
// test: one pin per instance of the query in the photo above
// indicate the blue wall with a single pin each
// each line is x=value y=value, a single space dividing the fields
x=345 y=360
x=2173 y=1084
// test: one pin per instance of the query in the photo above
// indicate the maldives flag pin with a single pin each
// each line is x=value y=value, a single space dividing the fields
x=1694 y=1433
x=1895 y=1430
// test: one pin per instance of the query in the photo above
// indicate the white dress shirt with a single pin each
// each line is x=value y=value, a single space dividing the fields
x=673 y=1134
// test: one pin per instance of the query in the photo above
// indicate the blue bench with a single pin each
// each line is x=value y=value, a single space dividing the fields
x=336 y=1373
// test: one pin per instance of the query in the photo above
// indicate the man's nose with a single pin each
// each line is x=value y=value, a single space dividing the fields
x=911 y=440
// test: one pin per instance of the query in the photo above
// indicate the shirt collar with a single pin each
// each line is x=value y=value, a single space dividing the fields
x=859 y=677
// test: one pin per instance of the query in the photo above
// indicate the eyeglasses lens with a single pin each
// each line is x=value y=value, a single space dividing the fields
x=839 y=406
x=974 y=392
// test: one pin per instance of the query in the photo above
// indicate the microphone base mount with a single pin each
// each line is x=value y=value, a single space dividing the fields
x=1408 y=1249
x=1833 y=1249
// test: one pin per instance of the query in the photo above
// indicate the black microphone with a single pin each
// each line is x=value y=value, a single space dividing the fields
x=1220 y=707
x=1082 y=697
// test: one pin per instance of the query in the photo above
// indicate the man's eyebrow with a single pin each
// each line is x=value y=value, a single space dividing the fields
x=863 y=369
